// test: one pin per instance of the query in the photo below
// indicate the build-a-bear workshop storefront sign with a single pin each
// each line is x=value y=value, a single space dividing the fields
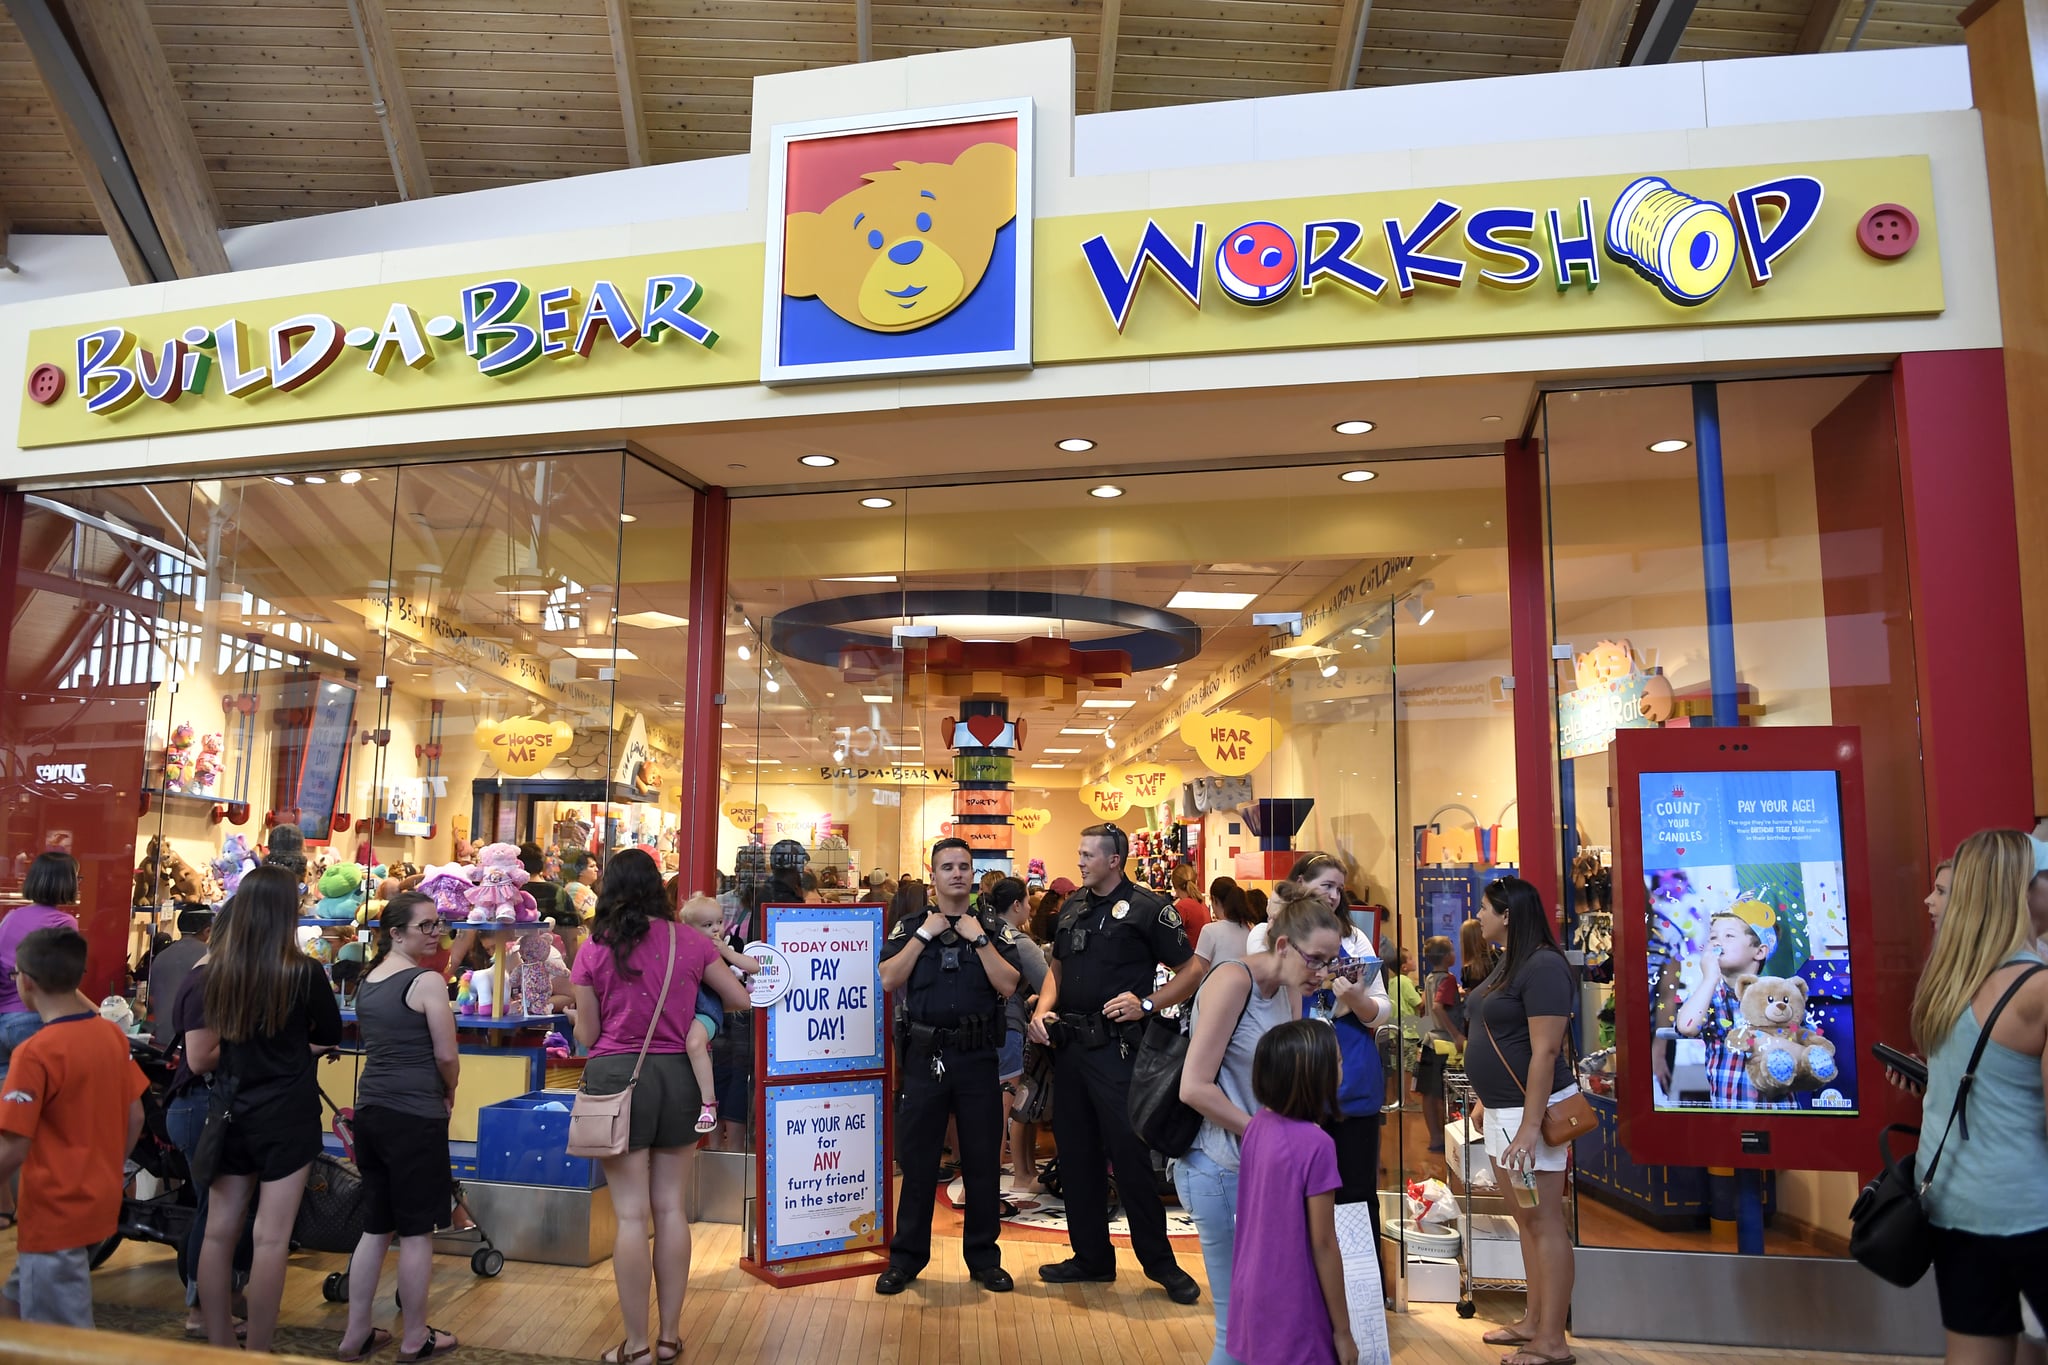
x=907 y=246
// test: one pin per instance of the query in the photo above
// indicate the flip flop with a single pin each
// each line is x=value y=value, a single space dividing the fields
x=379 y=1339
x=432 y=1347
x=1505 y=1336
x=1531 y=1358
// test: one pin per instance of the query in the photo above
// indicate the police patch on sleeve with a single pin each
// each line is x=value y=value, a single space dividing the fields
x=902 y=929
x=1009 y=933
x=1170 y=918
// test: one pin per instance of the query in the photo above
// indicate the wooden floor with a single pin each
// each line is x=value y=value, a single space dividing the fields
x=943 y=1318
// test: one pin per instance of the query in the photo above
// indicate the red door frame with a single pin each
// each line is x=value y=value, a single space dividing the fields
x=1529 y=639
x=704 y=693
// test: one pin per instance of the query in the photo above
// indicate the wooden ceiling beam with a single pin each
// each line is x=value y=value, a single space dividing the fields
x=618 y=19
x=1350 y=44
x=1823 y=22
x=863 y=30
x=390 y=100
x=1657 y=31
x=1597 y=33
x=1105 y=54
x=120 y=46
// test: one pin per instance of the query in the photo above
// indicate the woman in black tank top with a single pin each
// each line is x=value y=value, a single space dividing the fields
x=407 y=1089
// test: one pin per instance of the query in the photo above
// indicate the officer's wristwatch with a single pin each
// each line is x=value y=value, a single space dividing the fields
x=978 y=943
x=1147 y=1006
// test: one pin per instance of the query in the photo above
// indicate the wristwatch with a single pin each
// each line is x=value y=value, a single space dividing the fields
x=1147 y=1005
x=978 y=943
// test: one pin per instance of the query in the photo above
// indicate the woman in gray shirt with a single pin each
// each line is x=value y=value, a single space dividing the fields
x=1233 y=1009
x=410 y=1067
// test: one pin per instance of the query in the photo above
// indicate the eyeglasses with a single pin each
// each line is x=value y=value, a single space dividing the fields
x=431 y=926
x=1313 y=963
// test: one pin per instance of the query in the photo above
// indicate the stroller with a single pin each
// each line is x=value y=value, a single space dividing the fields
x=166 y=1216
x=331 y=1213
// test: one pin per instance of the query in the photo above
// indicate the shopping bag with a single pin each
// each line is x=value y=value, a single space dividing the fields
x=1363 y=1293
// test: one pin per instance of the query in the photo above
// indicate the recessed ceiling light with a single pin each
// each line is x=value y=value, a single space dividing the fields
x=598 y=652
x=1491 y=417
x=316 y=478
x=351 y=476
x=1077 y=444
x=285 y=479
x=1189 y=599
x=1358 y=476
x=878 y=503
x=653 y=620
x=1105 y=490
x=1048 y=765
x=764 y=762
x=1102 y=705
x=876 y=698
x=1302 y=652
x=903 y=748
x=861 y=578
x=1352 y=428
x=627 y=517
x=745 y=653
x=727 y=725
x=1074 y=731
x=1670 y=447
x=817 y=461
x=1062 y=751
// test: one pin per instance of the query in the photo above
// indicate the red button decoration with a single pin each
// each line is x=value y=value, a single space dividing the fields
x=1888 y=231
x=46 y=384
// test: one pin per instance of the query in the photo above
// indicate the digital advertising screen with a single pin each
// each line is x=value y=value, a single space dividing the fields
x=1746 y=942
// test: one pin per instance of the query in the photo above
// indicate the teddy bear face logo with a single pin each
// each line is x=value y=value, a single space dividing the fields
x=907 y=247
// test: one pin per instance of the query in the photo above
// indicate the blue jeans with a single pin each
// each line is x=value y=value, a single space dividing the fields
x=1209 y=1194
x=16 y=1028
x=184 y=1120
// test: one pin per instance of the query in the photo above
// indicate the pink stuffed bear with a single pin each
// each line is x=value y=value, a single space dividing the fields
x=497 y=878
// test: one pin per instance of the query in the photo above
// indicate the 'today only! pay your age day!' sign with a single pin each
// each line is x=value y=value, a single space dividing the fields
x=830 y=1017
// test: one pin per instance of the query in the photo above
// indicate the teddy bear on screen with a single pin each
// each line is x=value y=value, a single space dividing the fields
x=1784 y=1054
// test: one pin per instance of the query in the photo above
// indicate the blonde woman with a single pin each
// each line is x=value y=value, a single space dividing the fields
x=1989 y=1200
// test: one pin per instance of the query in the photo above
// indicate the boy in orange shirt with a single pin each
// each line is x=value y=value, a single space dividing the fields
x=62 y=1106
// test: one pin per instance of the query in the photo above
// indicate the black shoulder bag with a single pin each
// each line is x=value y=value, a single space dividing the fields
x=1161 y=1119
x=1889 y=1229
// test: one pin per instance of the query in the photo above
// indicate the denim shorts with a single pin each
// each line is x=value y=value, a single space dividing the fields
x=16 y=1028
x=1010 y=1060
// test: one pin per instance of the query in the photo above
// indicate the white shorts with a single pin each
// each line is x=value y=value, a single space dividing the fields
x=1503 y=1124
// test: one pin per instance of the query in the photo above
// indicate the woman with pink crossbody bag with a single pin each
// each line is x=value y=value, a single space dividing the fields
x=636 y=981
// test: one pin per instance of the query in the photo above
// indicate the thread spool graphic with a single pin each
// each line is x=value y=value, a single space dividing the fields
x=1682 y=244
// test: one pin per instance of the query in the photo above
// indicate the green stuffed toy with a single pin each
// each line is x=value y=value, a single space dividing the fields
x=341 y=892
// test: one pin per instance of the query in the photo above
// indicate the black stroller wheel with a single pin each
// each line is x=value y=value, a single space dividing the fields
x=487 y=1262
x=334 y=1288
x=104 y=1250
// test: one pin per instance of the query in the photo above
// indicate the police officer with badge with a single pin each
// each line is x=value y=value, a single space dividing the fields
x=1092 y=1011
x=955 y=970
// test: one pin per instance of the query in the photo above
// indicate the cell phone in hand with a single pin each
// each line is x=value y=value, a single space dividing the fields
x=1905 y=1063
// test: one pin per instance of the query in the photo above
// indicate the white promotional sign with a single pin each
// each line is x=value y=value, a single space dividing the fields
x=824 y=1168
x=829 y=1017
x=768 y=984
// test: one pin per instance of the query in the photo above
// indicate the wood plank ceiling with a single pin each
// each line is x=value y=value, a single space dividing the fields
x=280 y=95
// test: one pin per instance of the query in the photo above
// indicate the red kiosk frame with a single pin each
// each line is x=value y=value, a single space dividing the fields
x=1881 y=967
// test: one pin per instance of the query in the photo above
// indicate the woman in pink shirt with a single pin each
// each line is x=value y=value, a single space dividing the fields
x=621 y=1004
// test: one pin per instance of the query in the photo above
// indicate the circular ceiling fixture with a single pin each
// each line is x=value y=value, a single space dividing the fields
x=1358 y=476
x=316 y=478
x=628 y=517
x=285 y=479
x=1668 y=447
x=817 y=461
x=1105 y=490
x=878 y=503
x=1077 y=444
x=815 y=631
x=351 y=476
x=1355 y=427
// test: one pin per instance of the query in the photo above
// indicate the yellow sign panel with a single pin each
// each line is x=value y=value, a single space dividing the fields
x=1229 y=742
x=523 y=745
x=1108 y=800
x=1031 y=819
x=1705 y=247
x=1148 y=783
x=742 y=814
x=1709 y=247
x=631 y=325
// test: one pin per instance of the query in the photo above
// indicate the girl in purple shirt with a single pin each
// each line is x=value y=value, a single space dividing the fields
x=1287 y=1277
x=52 y=883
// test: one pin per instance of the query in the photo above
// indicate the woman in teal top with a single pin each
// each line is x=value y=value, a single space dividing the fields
x=1989 y=1200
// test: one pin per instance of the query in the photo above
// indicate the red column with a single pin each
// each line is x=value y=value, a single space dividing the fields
x=1529 y=637
x=704 y=694
x=1963 y=555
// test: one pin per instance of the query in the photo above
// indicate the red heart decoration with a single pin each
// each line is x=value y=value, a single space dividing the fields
x=986 y=729
x=1680 y=852
x=1020 y=733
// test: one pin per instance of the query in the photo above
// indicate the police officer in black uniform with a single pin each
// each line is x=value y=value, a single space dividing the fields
x=1092 y=1010
x=955 y=970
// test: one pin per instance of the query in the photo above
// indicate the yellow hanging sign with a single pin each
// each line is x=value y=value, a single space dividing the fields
x=1031 y=819
x=1230 y=743
x=742 y=814
x=523 y=745
x=1108 y=800
x=1148 y=783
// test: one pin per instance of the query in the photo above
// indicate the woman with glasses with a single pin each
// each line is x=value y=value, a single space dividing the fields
x=410 y=1068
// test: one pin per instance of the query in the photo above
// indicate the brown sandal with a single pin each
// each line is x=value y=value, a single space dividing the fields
x=667 y=1352
x=618 y=1356
x=379 y=1339
x=431 y=1347
x=1505 y=1336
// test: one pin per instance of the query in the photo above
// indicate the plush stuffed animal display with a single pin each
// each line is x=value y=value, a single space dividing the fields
x=498 y=876
x=1784 y=1054
x=341 y=892
x=180 y=768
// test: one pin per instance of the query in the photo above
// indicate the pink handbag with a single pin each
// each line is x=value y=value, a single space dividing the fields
x=600 y=1125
